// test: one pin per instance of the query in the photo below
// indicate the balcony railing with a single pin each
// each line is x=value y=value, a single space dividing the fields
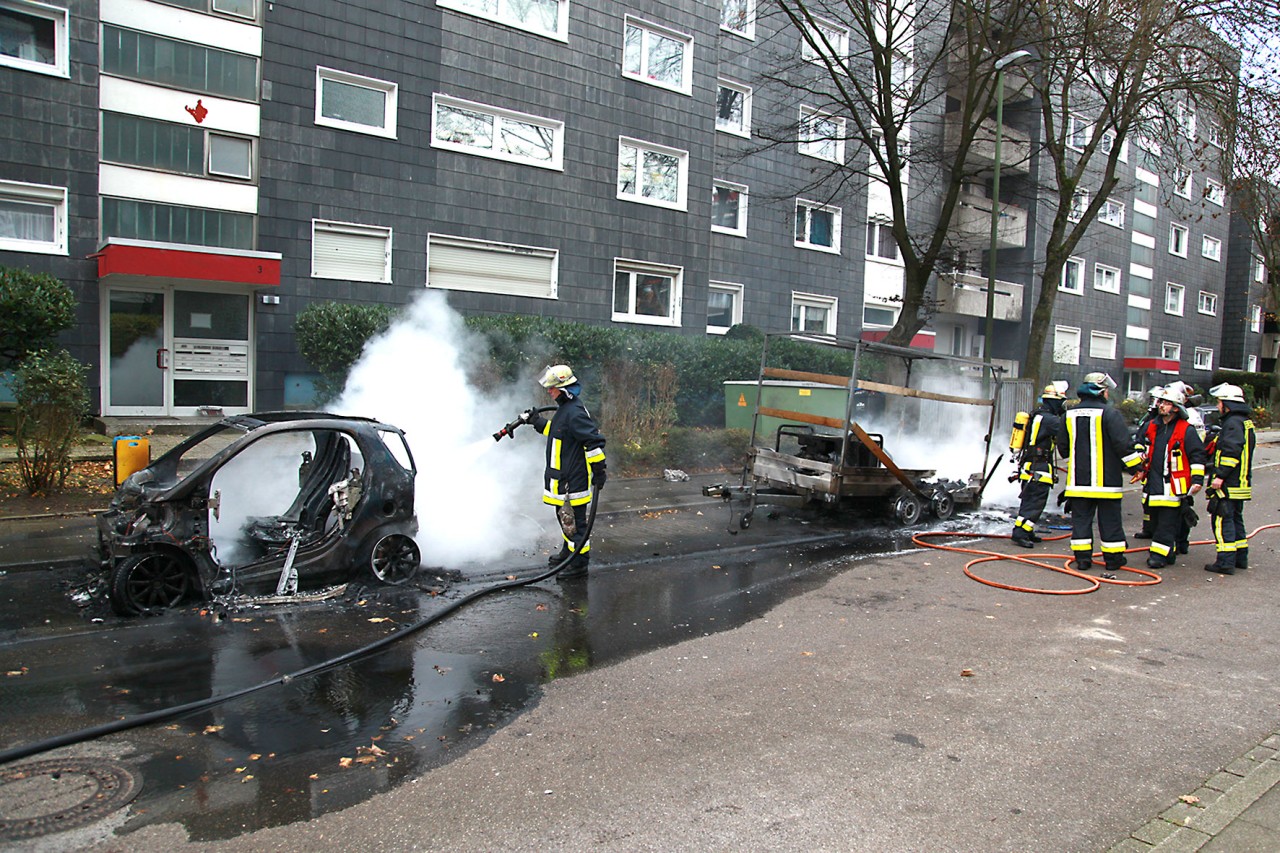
x=971 y=226
x=966 y=293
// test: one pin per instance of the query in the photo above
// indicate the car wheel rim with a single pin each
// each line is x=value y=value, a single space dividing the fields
x=158 y=581
x=395 y=559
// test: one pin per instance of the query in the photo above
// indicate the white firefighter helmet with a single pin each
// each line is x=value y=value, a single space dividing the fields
x=1155 y=393
x=1102 y=380
x=1055 y=391
x=1173 y=394
x=557 y=376
x=1227 y=391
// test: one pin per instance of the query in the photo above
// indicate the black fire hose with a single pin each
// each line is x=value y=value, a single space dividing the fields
x=514 y=425
x=94 y=732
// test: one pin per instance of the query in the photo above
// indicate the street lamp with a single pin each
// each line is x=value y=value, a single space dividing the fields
x=1016 y=58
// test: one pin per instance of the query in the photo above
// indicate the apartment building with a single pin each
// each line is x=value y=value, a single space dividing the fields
x=199 y=171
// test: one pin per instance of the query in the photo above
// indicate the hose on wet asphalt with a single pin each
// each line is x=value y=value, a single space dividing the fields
x=162 y=714
x=1094 y=582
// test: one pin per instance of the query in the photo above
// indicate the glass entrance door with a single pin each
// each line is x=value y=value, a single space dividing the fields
x=137 y=357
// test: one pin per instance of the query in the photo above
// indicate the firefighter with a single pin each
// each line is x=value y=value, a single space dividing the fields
x=1036 y=464
x=1173 y=472
x=1099 y=447
x=1153 y=411
x=1232 y=482
x=575 y=463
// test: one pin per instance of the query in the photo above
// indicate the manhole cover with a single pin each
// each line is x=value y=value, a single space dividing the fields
x=45 y=797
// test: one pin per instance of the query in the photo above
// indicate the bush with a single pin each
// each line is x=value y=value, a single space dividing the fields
x=1261 y=417
x=34 y=309
x=49 y=388
x=1133 y=410
x=332 y=335
x=1256 y=386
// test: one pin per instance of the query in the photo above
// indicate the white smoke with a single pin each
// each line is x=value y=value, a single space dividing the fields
x=476 y=499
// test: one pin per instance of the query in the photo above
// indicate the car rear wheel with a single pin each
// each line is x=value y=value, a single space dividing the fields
x=149 y=583
x=395 y=559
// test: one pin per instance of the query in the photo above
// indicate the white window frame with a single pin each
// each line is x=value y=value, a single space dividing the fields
x=635 y=268
x=1079 y=203
x=748 y=30
x=212 y=138
x=1259 y=270
x=1066 y=350
x=743 y=130
x=1111 y=213
x=637 y=195
x=1179 y=235
x=837 y=36
x=650 y=30
x=743 y=197
x=1106 y=278
x=1185 y=116
x=831 y=304
x=1077 y=132
x=500 y=117
x=1070 y=283
x=1207 y=304
x=1175 y=296
x=815 y=146
x=354 y=229
x=1203 y=358
x=1255 y=318
x=1102 y=346
x=42 y=195
x=1211 y=248
x=469 y=7
x=1213 y=135
x=1215 y=192
x=868 y=324
x=389 y=90
x=810 y=206
x=878 y=236
x=1251 y=363
x=61 y=65
x=735 y=291
x=1183 y=182
x=1171 y=351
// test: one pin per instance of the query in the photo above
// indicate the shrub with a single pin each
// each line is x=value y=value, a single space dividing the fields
x=49 y=388
x=34 y=309
x=1132 y=409
x=332 y=335
x=1261 y=417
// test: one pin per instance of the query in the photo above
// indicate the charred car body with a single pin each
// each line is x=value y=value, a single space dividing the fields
x=261 y=502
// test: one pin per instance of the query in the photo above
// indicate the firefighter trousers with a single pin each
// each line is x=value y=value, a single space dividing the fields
x=1110 y=531
x=1034 y=496
x=1229 y=535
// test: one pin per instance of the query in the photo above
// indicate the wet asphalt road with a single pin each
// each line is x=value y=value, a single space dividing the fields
x=292 y=752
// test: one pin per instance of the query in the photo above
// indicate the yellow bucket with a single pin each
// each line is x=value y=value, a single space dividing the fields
x=132 y=453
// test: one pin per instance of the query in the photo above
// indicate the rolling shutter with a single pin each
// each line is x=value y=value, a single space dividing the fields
x=350 y=252
x=483 y=267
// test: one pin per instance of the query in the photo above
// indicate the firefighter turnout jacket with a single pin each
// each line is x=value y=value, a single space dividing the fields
x=1037 y=456
x=1098 y=447
x=1233 y=452
x=1175 y=460
x=574 y=445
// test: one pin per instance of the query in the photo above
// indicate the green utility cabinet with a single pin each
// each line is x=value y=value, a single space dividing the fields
x=806 y=397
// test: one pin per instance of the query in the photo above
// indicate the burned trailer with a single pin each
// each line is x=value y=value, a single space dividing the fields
x=846 y=458
x=260 y=503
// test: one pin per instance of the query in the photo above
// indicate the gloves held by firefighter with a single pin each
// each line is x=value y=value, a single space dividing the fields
x=599 y=473
x=527 y=415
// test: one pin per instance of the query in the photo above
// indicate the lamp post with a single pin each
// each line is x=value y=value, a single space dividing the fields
x=1016 y=58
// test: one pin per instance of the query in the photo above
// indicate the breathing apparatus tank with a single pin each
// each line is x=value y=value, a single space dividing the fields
x=1018 y=438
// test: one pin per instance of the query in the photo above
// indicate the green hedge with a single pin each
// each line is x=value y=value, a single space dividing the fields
x=1256 y=386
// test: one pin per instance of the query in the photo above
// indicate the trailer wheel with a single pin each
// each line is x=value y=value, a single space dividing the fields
x=745 y=521
x=942 y=505
x=907 y=509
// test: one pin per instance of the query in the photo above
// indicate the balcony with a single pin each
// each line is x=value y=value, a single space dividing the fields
x=971 y=227
x=1015 y=147
x=966 y=294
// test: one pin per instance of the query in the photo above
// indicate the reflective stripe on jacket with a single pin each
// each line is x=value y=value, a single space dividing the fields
x=1233 y=452
x=574 y=444
x=1177 y=461
x=1098 y=447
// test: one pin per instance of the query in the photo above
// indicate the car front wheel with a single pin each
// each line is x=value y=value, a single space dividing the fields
x=149 y=583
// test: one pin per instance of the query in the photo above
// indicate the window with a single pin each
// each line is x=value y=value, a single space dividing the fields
x=1173 y=296
x=1171 y=351
x=832 y=42
x=724 y=306
x=1211 y=248
x=874 y=316
x=813 y=313
x=482 y=266
x=350 y=102
x=1079 y=203
x=817 y=226
x=1204 y=358
x=880 y=242
x=657 y=55
x=729 y=208
x=652 y=174
x=501 y=134
x=544 y=17
x=1072 y=276
x=1066 y=345
x=33 y=218
x=1111 y=213
x=739 y=17
x=1077 y=132
x=239 y=8
x=1251 y=363
x=185 y=149
x=1208 y=303
x=1182 y=183
x=1186 y=118
x=821 y=135
x=1178 y=240
x=646 y=293
x=1259 y=270
x=1214 y=134
x=33 y=37
x=1106 y=279
x=1102 y=345
x=1215 y=193
x=1255 y=318
x=733 y=108
x=171 y=223
x=178 y=64
x=351 y=252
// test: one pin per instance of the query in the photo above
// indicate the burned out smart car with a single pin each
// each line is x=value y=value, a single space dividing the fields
x=258 y=503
